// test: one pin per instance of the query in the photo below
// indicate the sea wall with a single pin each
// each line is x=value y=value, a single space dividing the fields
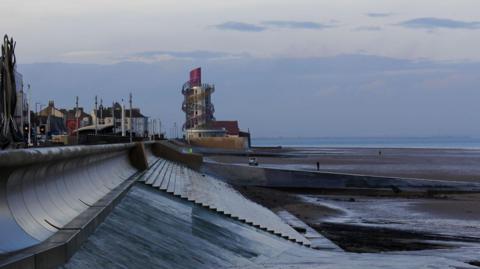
x=243 y=175
x=176 y=153
x=231 y=142
x=51 y=199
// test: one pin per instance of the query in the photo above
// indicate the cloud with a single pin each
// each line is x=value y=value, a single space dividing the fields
x=182 y=55
x=239 y=26
x=297 y=24
x=84 y=53
x=368 y=28
x=265 y=25
x=434 y=23
x=86 y=56
x=378 y=15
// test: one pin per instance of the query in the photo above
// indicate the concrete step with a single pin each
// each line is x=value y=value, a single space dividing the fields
x=166 y=177
x=150 y=177
x=158 y=179
x=173 y=178
x=219 y=196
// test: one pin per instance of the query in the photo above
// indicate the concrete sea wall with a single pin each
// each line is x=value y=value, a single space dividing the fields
x=51 y=199
x=230 y=142
x=285 y=178
x=175 y=153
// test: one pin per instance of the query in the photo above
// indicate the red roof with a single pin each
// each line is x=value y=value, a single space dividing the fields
x=230 y=125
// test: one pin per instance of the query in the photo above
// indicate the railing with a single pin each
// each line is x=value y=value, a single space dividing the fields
x=188 y=109
x=194 y=120
x=186 y=87
x=188 y=106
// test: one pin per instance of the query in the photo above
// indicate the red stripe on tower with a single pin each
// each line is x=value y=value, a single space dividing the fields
x=196 y=77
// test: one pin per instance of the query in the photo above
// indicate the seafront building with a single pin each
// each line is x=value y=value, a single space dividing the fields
x=110 y=118
x=59 y=121
x=53 y=122
x=201 y=128
x=75 y=119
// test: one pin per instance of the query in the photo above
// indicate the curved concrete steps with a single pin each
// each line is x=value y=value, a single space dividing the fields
x=218 y=196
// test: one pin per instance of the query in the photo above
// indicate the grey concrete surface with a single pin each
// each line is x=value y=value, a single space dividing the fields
x=58 y=248
x=176 y=218
x=43 y=191
x=245 y=175
x=154 y=229
x=216 y=195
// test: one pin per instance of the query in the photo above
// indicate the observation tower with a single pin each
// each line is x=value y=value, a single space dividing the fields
x=197 y=103
x=201 y=128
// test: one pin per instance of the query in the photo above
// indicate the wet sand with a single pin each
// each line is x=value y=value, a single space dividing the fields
x=456 y=207
x=278 y=200
x=441 y=164
x=378 y=224
x=373 y=222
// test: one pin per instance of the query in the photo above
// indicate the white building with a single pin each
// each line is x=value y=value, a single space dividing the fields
x=113 y=116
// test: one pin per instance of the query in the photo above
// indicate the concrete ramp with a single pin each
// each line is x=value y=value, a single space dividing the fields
x=42 y=190
x=216 y=195
x=152 y=229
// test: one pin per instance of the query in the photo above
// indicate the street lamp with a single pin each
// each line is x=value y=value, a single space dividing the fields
x=37 y=104
x=29 y=140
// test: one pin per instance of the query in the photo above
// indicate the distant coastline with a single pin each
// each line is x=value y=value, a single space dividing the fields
x=457 y=142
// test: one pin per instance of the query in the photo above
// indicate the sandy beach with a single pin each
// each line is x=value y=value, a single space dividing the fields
x=440 y=164
x=361 y=222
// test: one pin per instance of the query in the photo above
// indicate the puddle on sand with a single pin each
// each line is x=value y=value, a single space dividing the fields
x=474 y=263
x=388 y=224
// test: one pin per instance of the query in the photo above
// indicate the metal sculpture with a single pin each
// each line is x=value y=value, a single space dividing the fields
x=9 y=132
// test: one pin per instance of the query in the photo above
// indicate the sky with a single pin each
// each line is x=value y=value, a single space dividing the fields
x=283 y=68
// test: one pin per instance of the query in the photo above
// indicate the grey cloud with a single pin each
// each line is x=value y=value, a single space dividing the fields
x=368 y=28
x=434 y=23
x=239 y=26
x=196 y=54
x=379 y=15
x=297 y=24
x=265 y=25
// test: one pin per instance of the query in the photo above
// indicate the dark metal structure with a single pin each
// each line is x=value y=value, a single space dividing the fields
x=9 y=131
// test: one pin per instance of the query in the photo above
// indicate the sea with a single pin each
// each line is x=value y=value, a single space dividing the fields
x=370 y=142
